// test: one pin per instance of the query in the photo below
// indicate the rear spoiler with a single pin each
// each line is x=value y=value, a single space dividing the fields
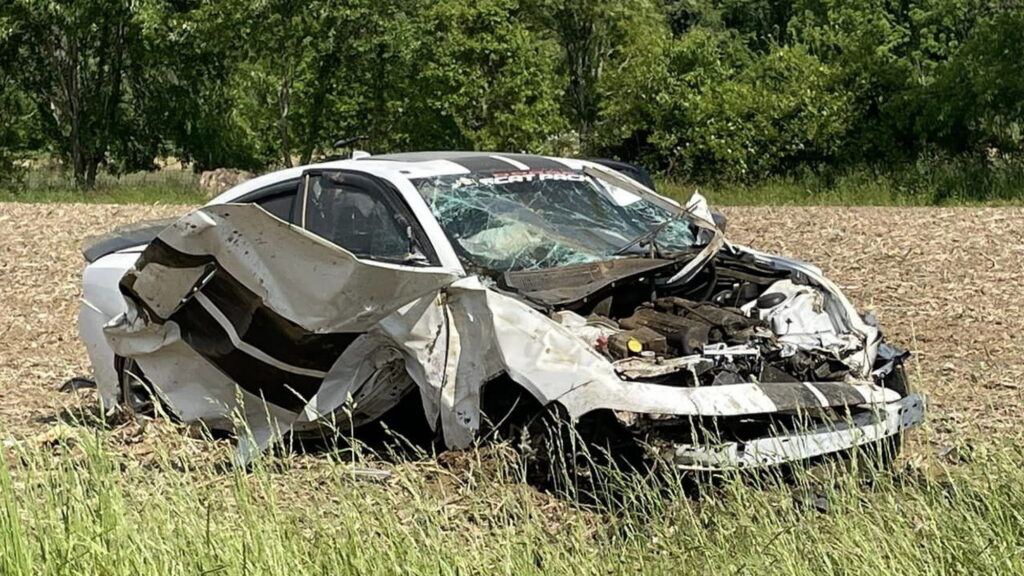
x=130 y=236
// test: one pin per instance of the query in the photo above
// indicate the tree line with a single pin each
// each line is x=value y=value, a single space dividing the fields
x=697 y=89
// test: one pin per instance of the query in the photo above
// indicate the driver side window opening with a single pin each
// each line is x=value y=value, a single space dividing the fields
x=362 y=216
x=278 y=199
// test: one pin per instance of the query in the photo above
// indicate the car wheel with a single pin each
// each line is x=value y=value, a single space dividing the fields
x=587 y=461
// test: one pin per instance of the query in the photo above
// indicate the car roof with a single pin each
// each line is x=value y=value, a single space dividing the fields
x=414 y=165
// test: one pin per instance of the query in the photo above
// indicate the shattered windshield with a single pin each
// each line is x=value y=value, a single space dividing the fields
x=545 y=219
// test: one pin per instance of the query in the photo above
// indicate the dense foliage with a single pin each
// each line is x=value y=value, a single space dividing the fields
x=699 y=89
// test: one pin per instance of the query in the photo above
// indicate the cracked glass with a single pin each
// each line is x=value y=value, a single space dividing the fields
x=545 y=219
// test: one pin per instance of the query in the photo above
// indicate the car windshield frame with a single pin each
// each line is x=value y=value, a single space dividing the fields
x=542 y=219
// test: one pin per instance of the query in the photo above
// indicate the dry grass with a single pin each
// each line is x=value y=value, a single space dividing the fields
x=40 y=273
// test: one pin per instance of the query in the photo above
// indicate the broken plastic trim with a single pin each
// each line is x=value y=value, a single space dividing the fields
x=866 y=427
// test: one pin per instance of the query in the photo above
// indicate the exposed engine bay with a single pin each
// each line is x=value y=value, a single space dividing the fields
x=738 y=321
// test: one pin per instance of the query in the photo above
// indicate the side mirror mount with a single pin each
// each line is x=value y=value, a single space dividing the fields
x=720 y=220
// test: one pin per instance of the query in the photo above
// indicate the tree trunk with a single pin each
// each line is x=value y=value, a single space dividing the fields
x=283 y=102
x=65 y=107
x=77 y=158
x=114 y=79
x=92 y=165
x=584 y=45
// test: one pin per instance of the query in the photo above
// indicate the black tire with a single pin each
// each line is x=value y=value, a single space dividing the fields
x=584 y=461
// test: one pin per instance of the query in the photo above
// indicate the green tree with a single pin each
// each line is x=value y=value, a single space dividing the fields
x=591 y=34
x=976 y=101
x=15 y=114
x=634 y=90
x=730 y=115
x=14 y=128
x=760 y=23
x=185 y=95
x=74 y=60
x=310 y=72
x=273 y=43
x=486 y=80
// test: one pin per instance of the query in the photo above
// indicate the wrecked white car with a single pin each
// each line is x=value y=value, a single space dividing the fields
x=475 y=282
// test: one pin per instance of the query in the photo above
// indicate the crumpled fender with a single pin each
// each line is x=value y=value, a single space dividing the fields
x=480 y=333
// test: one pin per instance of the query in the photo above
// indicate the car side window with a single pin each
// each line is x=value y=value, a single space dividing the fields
x=279 y=200
x=280 y=206
x=356 y=213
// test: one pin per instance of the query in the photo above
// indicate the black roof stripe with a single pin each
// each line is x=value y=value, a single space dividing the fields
x=477 y=161
x=484 y=164
x=537 y=162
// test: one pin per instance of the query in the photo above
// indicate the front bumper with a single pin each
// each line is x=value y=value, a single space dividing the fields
x=881 y=422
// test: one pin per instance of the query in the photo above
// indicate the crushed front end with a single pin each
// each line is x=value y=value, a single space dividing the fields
x=754 y=361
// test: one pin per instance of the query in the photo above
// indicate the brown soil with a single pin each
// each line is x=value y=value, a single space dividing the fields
x=948 y=283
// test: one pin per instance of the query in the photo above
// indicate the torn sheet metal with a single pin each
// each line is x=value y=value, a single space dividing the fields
x=839 y=308
x=231 y=312
x=501 y=334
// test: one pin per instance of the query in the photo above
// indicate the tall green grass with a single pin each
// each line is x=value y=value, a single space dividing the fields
x=86 y=505
x=930 y=181
x=168 y=186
